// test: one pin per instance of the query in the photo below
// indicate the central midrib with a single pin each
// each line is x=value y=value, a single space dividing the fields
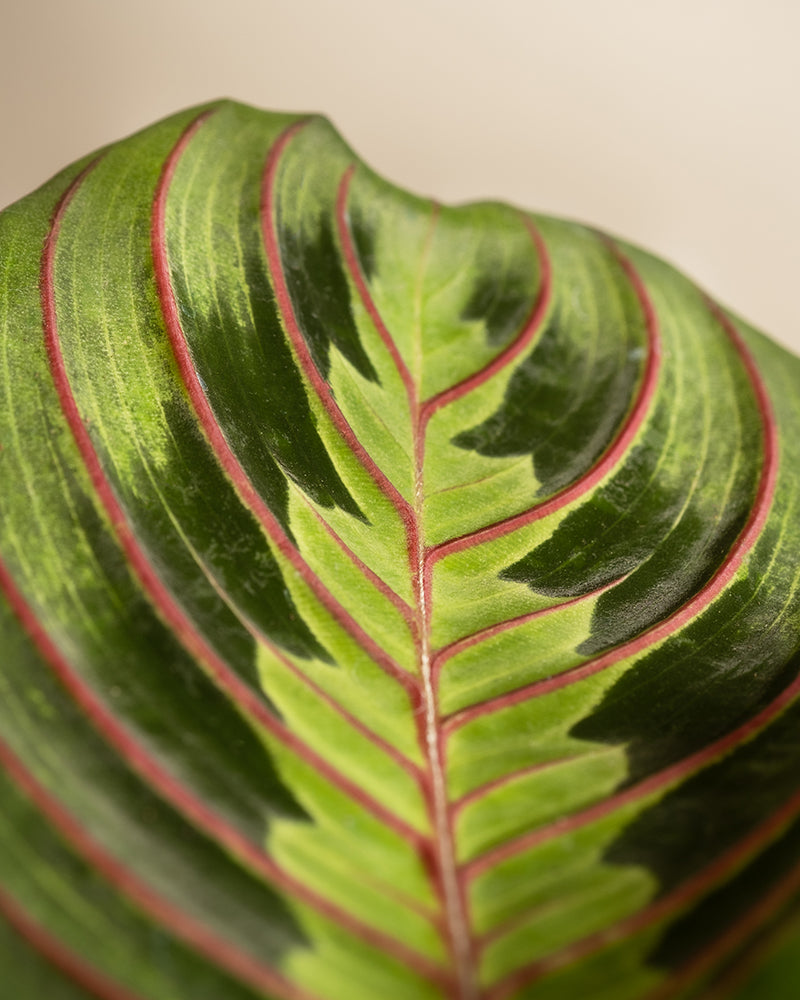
x=445 y=874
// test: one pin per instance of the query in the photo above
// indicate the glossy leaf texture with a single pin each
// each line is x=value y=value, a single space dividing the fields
x=398 y=601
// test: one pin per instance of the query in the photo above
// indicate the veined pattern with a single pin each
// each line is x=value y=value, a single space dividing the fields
x=399 y=600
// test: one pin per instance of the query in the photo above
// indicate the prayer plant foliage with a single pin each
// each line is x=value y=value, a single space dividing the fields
x=398 y=601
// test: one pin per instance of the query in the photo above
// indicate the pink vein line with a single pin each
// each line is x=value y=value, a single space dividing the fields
x=378 y=741
x=218 y=441
x=724 y=575
x=453 y=926
x=703 y=598
x=261 y=637
x=520 y=343
x=188 y=805
x=178 y=923
x=422 y=414
x=323 y=391
x=309 y=368
x=683 y=896
x=452 y=894
x=655 y=782
x=247 y=700
x=607 y=461
x=736 y=937
x=226 y=456
x=406 y=511
x=380 y=585
x=517 y=346
x=469 y=798
x=445 y=653
x=58 y=955
x=354 y=269
x=162 y=599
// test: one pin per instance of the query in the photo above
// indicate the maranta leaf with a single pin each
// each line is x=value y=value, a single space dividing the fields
x=397 y=601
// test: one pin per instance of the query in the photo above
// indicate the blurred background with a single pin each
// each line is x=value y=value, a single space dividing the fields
x=673 y=124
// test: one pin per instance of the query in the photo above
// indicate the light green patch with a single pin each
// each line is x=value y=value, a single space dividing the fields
x=401 y=227
x=517 y=656
x=468 y=593
x=355 y=679
x=335 y=869
x=342 y=967
x=337 y=571
x=525 y=735
x=535 y=798
x=339 y=743
x=558 y=871
x=498 y=488
x=585 y=904
x=616 y=972
x=343 y=828
x=463 y=243
x=378 y=413
x=100 y=288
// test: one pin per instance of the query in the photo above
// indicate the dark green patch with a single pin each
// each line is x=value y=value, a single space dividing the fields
x=141 y=660
x=251 y=377
x=502 y=296
x=709 y=813
x=231 y=547
x=657 y=535
x=699 y=684
x=596 y=544
x=72 y=760
x=702 y=683
x=148 y=948
x=562 y=405
x=745 y=790
x=27 y=974
x=675 y=571
x=320 y=293
x=364 y=236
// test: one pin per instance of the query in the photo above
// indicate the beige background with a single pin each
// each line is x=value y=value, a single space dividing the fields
x=673 y=123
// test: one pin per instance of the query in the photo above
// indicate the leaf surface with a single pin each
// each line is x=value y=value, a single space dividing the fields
x=398 y=600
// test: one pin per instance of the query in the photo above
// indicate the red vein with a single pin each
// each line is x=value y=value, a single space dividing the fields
x=753 y=933
x=689 y=892
x=703 y=598
x=615 y=452
x=520 y=343
x=307 y=365
x=442 y=655
x=378 y=582
x=57 y=954
x=354 y=269
x=451 y=886
x=199 y=815
x=169 y=916
x=219 y=443
x=655 y=782
x=469 y=798
x=721 y=579
x=263 y=639
x=240 y=693
x=378 y=741
x=737 y=936
x=444 y=874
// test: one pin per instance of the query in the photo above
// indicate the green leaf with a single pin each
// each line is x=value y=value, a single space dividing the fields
x=396 y=600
